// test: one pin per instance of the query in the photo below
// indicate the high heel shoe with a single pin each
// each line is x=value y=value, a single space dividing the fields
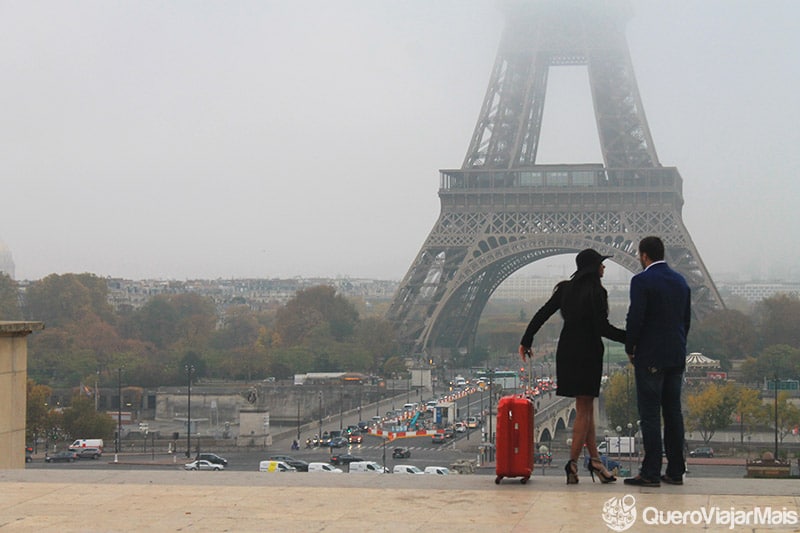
x=571 y=468
x=604 y=475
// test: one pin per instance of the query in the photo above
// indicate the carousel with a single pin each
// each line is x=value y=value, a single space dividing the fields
x=702 y=368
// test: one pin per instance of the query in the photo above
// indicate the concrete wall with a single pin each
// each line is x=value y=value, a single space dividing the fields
x=13 y=390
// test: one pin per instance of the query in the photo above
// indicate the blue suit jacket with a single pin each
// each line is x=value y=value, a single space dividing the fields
x=658 y=318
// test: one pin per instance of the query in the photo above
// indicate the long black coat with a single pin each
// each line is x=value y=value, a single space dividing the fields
x=579 y=358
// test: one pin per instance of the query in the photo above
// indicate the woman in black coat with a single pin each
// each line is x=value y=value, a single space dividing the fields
x=583 y=302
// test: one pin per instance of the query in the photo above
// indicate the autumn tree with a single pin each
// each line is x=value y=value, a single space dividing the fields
x=619 y=394
x=749 y=407
x=37 y=412
x=711 y=408
x=788 y=415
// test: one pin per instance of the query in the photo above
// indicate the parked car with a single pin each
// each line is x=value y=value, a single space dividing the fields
x=437 y=438
x=324 y=467
x=401 y=453
x=344 y=459
x=61 y=457
x=275 y=466
x=297 y=464
x=213 y=458
x=437 y=470
x=89 y=453
x=202 y=464
x=407 y=469
x=705 y=451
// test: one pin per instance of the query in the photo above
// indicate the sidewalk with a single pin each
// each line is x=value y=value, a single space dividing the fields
x=175 y=500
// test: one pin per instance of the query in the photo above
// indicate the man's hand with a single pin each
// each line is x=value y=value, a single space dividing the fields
x=523 y=351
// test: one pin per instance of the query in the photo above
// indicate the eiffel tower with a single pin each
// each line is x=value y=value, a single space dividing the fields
x=501 y=211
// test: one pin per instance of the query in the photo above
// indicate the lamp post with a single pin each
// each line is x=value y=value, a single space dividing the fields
x=319 y=435
x=341 y=407
x=189 y=370
x=619 y=432
x=630 y=456
x=491 y=391
x=298 y=418
x=776 y=418
x=118 y=444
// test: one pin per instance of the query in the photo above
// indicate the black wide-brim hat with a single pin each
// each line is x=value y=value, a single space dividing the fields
x=588 y=261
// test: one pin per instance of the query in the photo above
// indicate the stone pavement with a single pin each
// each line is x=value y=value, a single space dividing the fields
x=108 y=500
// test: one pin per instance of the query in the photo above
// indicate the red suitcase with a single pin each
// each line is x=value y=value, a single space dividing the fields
x=514 y=438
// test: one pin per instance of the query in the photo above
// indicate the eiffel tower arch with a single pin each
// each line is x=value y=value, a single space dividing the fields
x=502 y=211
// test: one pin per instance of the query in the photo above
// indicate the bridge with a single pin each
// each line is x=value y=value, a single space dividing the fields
x=556 y=416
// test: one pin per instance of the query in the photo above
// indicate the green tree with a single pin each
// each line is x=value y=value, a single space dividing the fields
x=780 y=315
x=311 y=310
x=378 y=338
x=727 y=334
x=779 y=360
x=711 y=408
x=395 y=367
x=60 y=300
x=9 y=298
x=183 y=320
x=80 y=420
x=619 y=396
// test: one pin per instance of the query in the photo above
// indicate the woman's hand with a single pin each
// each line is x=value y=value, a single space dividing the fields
x=523 y=351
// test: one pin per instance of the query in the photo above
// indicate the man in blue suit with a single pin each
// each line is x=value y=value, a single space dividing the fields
x=657 y=325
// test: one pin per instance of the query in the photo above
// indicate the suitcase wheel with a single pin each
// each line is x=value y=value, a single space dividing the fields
x=523 y=480
x=497 y=480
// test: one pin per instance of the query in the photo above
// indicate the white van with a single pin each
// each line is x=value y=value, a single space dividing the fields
x=324 y=467
x=275 y=466
x=437 y=470
x=366 y=467
x=407 y=469
x=86 y=443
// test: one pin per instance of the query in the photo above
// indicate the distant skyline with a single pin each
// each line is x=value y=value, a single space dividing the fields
x=274 y=139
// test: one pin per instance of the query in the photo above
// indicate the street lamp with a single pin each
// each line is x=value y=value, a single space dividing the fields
x=319 y=435
x=189 y=371
x=118 y=444
x=298 y=418
x=630 y=438
x=619 y=432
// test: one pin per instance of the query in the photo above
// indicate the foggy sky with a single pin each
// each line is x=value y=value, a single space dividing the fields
x=191 y=139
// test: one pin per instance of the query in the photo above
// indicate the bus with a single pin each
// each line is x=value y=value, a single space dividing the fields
x=507 y=379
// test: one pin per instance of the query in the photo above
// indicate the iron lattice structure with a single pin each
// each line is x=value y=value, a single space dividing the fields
x=501 y=211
